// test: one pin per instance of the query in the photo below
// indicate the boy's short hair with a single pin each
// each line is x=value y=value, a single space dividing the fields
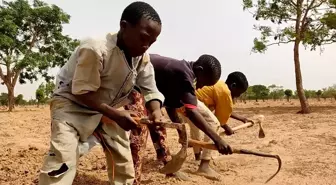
x=211 y=67
x=239 y=79
x=137 y=10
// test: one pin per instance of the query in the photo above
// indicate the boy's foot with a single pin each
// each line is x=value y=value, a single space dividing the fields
x=179 y=175
x=208 y=172
x=205 y=170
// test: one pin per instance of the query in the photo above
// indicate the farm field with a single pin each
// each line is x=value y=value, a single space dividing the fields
x=306 y=143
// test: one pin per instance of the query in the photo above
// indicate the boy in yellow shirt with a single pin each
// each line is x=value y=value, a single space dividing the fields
x=218 y=98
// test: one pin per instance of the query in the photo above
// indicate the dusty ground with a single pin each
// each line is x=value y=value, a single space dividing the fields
x=306 y=143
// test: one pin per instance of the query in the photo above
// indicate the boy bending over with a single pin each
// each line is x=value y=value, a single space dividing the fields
x=218 y=98
x=94 y=83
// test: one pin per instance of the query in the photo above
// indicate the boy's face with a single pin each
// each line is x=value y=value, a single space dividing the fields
x=236 y=92
x=138 y=38
x=202 y=80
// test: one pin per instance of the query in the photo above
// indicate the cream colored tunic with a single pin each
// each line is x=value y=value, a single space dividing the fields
x=97 y=66
x=100 y=66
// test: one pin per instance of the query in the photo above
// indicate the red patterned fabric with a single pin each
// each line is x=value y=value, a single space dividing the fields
x=138 y=142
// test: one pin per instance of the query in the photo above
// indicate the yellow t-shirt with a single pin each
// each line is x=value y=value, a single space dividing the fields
x=217 y=98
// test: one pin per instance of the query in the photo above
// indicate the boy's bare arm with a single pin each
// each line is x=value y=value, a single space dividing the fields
x=240 y=118
x=173 y=115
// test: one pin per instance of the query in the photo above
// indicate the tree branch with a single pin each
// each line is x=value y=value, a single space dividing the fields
x=298 y=18
x=34 y=39
x=328 y=43
x=280 y=42
x=248 y=10
x=308 y=9
x=2 y=76
x=293 y=3
x=17 y=73
x=305 y=21
x=322 y=1
x=8 y=69
x=292 y=19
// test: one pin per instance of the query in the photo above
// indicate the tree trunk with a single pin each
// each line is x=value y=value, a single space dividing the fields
x=287 y=98
x=318 y=98
x=11 y=100
x=303 y=101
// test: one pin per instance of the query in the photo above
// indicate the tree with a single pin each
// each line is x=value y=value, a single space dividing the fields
x=44 y=92
x=40 y=94
x=243 y=97
x=276 y=92
x=324 y=94
x=330 y=92
x=310 y=22
x=32 y=102
x=310 y=93
x=247 y=95
x=4 y=99
x=288 y=94
x=19 y=100
x=260 y=92
x=318 y=94
x=49 y=89
x=31 y=42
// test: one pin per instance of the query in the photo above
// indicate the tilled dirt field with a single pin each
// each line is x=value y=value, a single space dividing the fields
x=306 y=143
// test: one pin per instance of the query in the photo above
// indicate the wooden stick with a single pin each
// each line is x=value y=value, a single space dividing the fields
x=242 y=126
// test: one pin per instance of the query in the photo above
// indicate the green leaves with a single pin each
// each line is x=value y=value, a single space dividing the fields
x=259 y=46
x=276 y=92
x=40 y=95
x=247 y=4
x=260 y=91
x=31 y=41
x=31 y=38
x=44 y=92
x=312 y=22
x=329 y=92
x=319 y=93
x=329 y=19
x=18 y=99
x=288 y=92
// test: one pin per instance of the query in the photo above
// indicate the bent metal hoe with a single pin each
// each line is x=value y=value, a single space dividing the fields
x=178 y=159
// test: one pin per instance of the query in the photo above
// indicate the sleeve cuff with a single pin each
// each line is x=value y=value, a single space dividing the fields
x=154 y=96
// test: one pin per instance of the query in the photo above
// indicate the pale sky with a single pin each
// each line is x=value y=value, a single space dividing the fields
x=195 y=27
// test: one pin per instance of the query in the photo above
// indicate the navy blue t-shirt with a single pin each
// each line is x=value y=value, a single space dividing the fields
x=174 y=79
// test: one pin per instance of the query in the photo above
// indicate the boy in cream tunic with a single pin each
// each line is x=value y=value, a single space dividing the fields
x=93 y=85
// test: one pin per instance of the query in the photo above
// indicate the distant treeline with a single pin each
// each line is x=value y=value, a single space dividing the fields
x=255 y=92
x=274 y=92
